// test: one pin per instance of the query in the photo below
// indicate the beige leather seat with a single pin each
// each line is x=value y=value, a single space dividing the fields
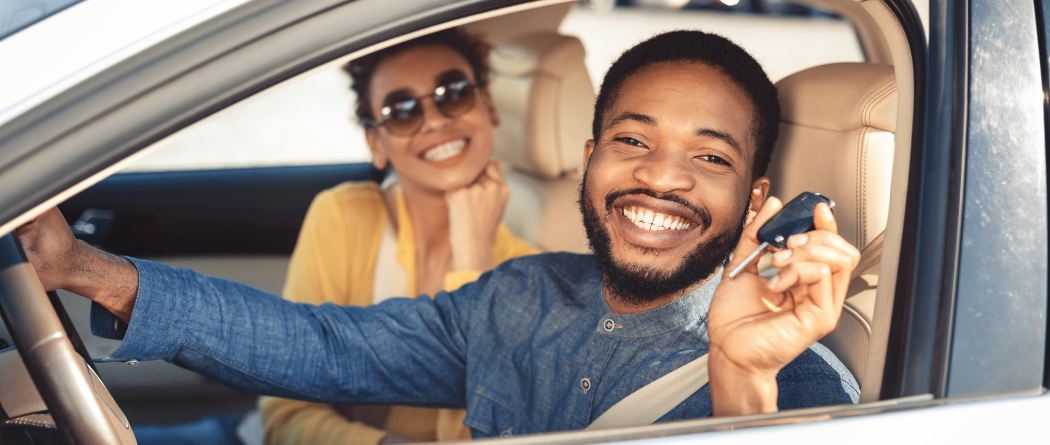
x=836 y=137
x=545 y=100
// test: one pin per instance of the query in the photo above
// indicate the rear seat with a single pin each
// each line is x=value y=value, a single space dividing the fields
x=546 y=100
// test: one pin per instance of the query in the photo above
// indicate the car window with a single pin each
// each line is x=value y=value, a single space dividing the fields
x=302 y=122
x=16 y=15
x=309 y=120
x=782 y=43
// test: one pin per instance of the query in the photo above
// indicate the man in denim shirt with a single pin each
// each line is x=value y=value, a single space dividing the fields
x=684 y=127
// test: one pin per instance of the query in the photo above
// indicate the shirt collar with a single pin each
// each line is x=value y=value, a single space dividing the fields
x=684 y=310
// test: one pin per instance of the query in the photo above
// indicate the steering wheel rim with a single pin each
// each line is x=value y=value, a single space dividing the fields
x=82 y=407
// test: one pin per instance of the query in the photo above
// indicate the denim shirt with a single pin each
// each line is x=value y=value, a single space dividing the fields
x=530 y=347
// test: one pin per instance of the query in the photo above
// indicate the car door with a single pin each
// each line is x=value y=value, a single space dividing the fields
x=973 y=263
x=970 y=311
x=236 y=223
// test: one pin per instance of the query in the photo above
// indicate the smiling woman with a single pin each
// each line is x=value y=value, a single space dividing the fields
x=429 y=120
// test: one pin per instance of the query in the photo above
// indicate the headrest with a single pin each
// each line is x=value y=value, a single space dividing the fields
x=836 y=137
x=841 y=96
x=545 y=101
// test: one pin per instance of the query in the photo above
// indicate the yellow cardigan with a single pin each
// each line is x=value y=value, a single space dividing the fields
x=334 y=261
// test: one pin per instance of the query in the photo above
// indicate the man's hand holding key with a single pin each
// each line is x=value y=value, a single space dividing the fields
x=757 y=326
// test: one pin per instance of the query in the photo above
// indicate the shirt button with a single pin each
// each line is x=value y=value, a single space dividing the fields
x=609 y=325
x=585 y=384
x=132 y=362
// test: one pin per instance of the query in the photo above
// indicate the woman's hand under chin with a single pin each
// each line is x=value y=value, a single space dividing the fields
x=474 y=213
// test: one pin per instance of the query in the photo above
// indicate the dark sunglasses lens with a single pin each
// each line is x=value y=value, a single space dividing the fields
x=457 y=100
x=404 y=118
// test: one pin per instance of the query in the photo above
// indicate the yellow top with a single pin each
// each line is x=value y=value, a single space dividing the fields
x=335 y=261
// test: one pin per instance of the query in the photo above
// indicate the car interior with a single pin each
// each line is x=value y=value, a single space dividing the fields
x=849 y=121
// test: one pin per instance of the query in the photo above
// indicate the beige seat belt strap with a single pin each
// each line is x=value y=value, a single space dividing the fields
x=652 y=401
x=869 y=257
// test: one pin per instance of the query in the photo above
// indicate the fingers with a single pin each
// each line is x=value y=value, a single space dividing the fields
x=816 y=266
x=823 y=219
x=812 y=247
x=475 y=212
x=824 y=235
x=808 y=283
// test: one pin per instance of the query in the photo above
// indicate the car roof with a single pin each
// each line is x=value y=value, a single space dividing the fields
x=85 y=39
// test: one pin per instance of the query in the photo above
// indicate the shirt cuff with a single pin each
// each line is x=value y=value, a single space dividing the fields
x=153 y=331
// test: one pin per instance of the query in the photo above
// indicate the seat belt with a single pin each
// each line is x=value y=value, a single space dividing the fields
x=869 y=257
x=652 y=401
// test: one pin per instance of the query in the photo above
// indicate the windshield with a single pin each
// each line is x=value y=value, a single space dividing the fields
x=16 y=15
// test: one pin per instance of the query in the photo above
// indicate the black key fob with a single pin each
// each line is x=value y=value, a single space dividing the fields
x=794 y=218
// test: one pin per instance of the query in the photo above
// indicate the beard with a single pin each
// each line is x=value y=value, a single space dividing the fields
x=637 y=285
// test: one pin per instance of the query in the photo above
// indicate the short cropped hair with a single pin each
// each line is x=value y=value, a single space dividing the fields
x=711 y=50
x=468 y=45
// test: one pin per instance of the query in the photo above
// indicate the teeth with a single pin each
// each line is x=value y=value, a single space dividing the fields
x=649 y=220
x=445 y=151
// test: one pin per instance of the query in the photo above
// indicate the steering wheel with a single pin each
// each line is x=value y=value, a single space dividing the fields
x=81 y=405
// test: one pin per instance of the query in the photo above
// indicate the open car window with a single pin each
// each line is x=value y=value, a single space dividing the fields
x=782 y=41
x=305 y=121
x=309 y=120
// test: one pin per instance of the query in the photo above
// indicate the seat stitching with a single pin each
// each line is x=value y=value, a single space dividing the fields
x=869 y=105
x=861 y=209
x=856 y=171
x=875 y=99
x=865 y=106
x=858 y=186
x=887 y=92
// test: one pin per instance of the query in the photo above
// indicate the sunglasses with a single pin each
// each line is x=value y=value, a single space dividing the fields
x=404 y=117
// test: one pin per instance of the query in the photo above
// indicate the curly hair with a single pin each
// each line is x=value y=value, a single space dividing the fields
x=711 y=50
x=470 y=46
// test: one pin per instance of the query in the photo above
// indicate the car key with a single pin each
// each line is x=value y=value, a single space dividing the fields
x=796 y=217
